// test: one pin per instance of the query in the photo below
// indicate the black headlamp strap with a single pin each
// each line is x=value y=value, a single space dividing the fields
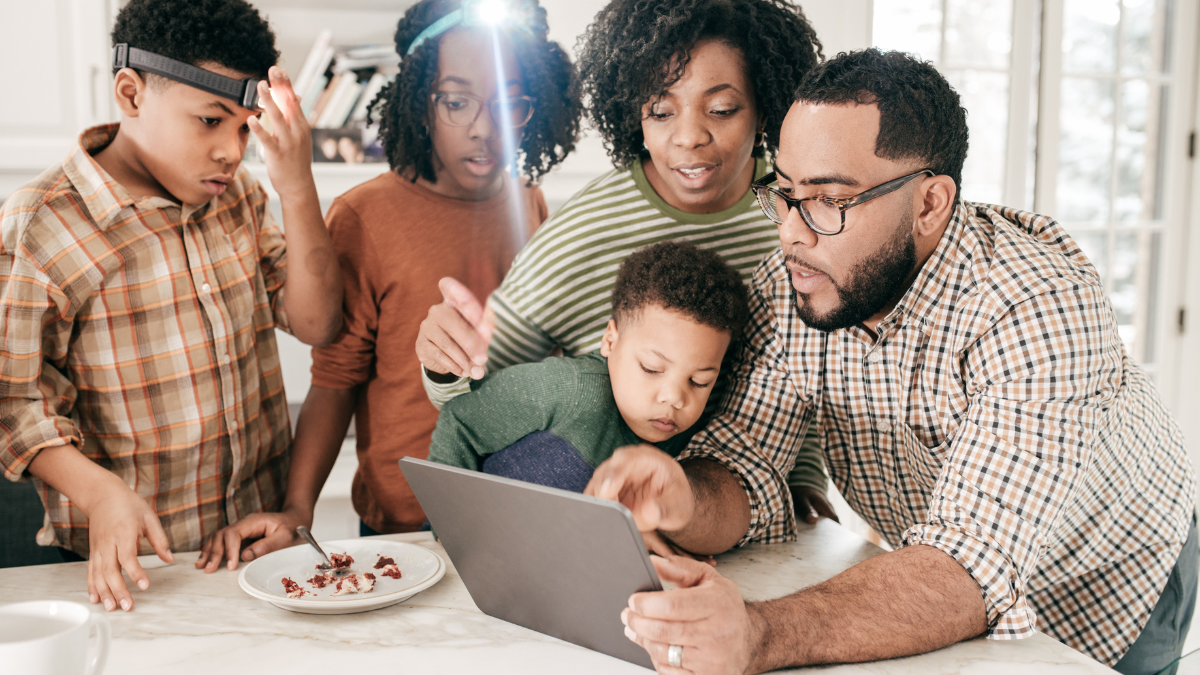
x=245 y=92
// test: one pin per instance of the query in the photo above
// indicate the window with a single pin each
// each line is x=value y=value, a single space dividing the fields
x=1073 y=111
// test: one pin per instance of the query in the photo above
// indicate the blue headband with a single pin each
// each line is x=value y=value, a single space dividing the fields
x=472 y=13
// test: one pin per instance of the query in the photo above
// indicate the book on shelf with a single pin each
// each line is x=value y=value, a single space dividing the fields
x=336 y=85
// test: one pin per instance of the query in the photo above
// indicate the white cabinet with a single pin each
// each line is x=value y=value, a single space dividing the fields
x=54 y=81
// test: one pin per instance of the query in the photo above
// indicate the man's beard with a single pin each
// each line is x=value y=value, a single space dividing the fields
x=873 y=283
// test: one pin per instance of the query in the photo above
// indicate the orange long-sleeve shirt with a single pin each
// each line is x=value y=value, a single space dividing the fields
x=395 y=240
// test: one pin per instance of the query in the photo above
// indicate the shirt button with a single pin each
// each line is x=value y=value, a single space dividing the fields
x=884 y=427
x=232 y=419
x=206 y=289
x=225 y=359
x=875 y=357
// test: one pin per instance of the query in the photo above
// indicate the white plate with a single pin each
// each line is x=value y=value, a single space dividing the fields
x=419 y=569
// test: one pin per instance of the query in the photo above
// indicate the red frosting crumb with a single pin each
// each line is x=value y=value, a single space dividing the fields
x=341 y=561
x=319 y=580
x=392 y=571
x=369 y=576
x=293 y=589
x=383 y=562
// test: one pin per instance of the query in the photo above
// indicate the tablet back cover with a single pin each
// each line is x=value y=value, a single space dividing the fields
x=557 y=562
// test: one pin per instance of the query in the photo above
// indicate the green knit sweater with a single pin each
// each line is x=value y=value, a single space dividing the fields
x=569 y=397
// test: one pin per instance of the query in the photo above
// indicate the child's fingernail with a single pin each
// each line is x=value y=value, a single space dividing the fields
x=93 y=599
x=126 y=605
x=630 y=634
x=143 y=584
x=625 y=616
x=481 y=359
x=108 y=605
x=605 y=485
x=477 y=373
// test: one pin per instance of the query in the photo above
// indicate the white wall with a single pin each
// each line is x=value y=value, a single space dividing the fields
x=53 y=84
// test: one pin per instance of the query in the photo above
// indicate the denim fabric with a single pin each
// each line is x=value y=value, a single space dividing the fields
x=542 y=458
x=1161 y=641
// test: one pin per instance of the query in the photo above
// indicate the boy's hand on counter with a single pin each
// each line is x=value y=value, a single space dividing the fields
x=272 y=530
x=287 y=146
x=117 y=520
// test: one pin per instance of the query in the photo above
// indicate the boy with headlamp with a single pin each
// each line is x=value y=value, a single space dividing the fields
x=141 y=281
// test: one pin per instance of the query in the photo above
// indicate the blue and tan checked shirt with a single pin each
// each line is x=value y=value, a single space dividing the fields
x=996 y=418
x=142 y=331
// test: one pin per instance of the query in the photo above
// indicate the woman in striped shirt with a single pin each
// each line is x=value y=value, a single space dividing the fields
x=689 y=99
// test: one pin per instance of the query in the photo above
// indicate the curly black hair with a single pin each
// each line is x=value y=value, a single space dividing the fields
x=920 y=114
x=627 y=54
x=227 y=32
x=403 y=108
x=680 y=276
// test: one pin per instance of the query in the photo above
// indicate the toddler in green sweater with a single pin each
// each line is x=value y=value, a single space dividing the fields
x=675 y=310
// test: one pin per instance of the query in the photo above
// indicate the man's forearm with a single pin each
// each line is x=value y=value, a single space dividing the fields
x=910 y=601
x=722 y=512
x=324 y=418
x=313 y=291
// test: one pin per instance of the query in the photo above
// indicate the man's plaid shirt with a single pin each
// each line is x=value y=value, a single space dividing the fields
x=996 y=418
x=143 y=333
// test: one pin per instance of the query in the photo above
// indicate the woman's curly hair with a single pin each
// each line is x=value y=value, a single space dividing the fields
x=626 y=59
x=403 y=108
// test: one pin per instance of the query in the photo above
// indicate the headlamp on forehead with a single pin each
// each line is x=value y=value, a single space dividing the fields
x=472 y=13
x=243 y=92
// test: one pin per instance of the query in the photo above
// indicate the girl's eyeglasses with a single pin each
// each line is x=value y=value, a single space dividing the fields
x=461 y=110
x=823 y=215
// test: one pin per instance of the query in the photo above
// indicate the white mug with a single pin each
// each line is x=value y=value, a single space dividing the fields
x=51 y=637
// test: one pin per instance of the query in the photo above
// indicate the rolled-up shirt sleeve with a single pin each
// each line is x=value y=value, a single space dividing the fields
x=760 y=426
x=1038 y=380
x=36 y=398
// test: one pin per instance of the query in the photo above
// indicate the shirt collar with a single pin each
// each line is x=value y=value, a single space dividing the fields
x=102 y=196
x=931 y=288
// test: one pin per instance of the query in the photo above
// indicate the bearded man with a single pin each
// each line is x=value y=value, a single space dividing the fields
x=975 y=403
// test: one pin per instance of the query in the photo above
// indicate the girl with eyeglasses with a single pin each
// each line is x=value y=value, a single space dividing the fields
x=453 y=123
x=689 y=97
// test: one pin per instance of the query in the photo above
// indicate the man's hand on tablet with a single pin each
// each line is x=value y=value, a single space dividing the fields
x=704 y=615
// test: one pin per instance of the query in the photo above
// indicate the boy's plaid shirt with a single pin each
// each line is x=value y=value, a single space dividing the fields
x=997 y=418
x=142 y=332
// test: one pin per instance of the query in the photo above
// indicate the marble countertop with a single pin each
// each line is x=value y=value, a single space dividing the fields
x=192 y=623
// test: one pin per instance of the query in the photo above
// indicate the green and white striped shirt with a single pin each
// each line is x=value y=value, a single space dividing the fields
x=559 y=290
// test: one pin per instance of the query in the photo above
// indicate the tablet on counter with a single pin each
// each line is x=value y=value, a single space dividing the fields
x=553 y=561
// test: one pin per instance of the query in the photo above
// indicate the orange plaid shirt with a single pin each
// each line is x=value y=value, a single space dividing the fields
x=143 y=333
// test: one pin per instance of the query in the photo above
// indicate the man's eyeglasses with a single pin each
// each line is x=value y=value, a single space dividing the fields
x=461 y=110
x=823 y=215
